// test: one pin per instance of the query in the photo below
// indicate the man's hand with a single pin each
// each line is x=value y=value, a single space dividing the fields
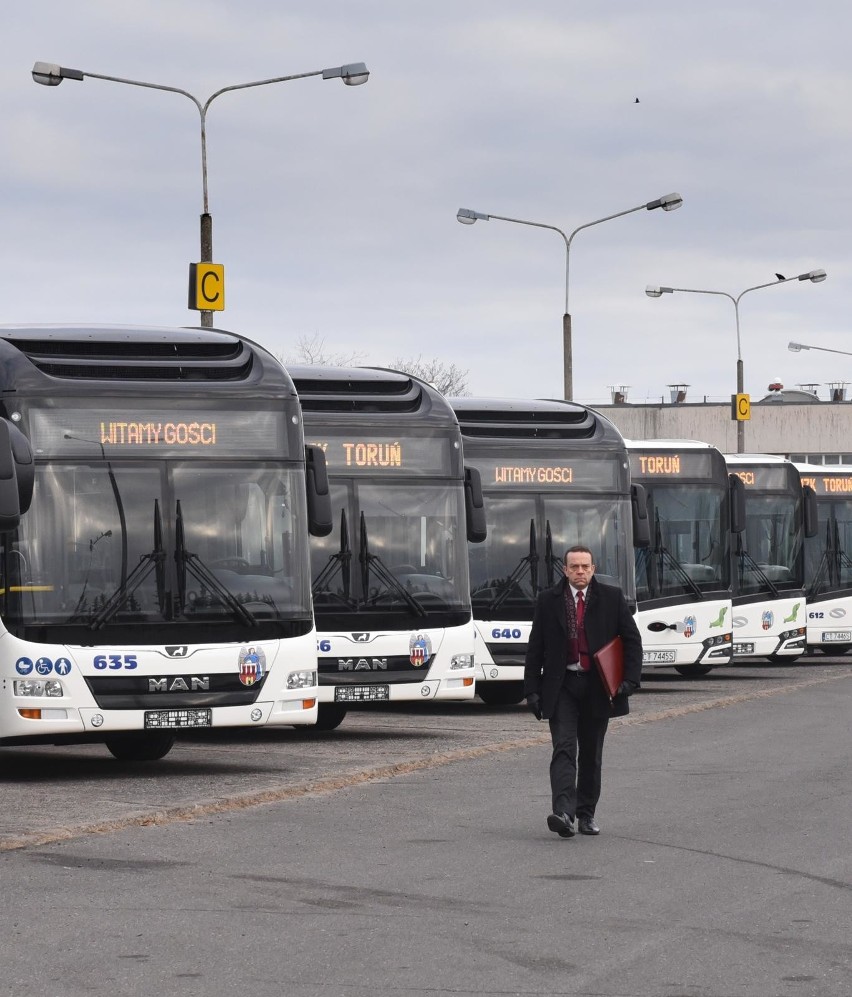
x=534 y=703
x=627 y=688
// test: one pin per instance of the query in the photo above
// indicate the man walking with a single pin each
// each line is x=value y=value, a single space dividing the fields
x=574 y=619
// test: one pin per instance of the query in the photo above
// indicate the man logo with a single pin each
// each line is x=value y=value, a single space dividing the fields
x=361 y=637
x=196 y=683
x=177 y=651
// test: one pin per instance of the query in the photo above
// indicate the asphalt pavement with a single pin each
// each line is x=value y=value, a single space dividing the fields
x=723 y=866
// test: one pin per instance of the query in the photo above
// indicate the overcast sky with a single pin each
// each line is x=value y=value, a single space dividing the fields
x=334 y=207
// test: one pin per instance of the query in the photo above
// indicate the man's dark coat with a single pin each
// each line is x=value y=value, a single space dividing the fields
x=607 y=616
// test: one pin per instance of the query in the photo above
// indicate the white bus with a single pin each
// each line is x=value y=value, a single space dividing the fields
x=683 y=578
x=553 y=474
x=769 y=566
x=154 y=555
x=828 y=559
x=390 y=585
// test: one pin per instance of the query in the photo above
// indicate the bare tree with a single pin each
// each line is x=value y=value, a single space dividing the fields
x=446 y=377
x=312 y=350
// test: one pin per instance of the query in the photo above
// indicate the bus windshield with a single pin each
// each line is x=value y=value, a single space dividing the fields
x=828 y=555
x=527 y=536
x=769 y=550
x=109 y=545
x=689 y=552
x=397 y=553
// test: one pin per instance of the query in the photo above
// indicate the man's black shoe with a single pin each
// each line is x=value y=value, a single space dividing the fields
x=562 y=824
x=587 y=825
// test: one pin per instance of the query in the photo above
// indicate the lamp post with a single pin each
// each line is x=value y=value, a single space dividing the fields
x=798 y=347
x=51 y=75
x=668 y=202
x=814 y=276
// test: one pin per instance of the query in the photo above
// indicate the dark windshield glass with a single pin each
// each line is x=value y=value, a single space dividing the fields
x=100 y=548
x=689 y=552
x=397 y=551
x=769 y=551
x=527 y=538
x=828 y=555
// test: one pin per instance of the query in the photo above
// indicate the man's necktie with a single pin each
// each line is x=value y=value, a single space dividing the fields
x=581 y=633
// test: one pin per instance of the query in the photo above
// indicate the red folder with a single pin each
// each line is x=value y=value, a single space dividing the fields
x=610 y=662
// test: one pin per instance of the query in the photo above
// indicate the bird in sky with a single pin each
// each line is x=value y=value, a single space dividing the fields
x=636 y=100
x=780 y=276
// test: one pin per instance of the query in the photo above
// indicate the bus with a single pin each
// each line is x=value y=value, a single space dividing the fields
x=828 y=559
x=390 y=585
x=554 y=474
x=683 y=579
x=768 y=558
x=155 y=574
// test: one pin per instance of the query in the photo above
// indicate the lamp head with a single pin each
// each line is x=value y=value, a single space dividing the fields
x=814 y=276
x=468 y=217
x=653 y=291
x=797 y=347
x=668 y=202
x=353 y=74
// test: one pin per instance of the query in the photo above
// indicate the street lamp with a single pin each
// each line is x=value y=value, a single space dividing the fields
x=51 y=75
x=798 y=347
x=814 y=276
x=668 y=202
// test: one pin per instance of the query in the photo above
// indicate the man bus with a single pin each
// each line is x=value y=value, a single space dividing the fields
x=553 y=474
x=390 y=586
x=155 y=573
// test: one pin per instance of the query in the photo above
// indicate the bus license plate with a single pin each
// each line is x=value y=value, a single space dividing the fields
x=744 y=648
x=172 y=719
x=658 y=657
x=361 y=693
x=839 y=636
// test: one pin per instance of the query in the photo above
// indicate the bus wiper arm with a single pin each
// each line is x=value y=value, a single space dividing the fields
x=666 y=557
x=528 y=563
x=147 y=563
x=550 y=559
x=187 y=561
x=341 y=561
x=756 y=568
x=383 y=573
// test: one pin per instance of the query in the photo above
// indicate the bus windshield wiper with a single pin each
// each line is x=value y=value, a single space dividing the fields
x=749 y=561
x=383 y=573
x=187 y=561
x=551 y=561
x=666 y=557
x=155 y=561
x=341 y=561
x=528 y=563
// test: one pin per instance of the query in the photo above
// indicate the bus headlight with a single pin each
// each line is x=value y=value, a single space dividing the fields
x=301 y=680
x=460 y=661
x=38 y=687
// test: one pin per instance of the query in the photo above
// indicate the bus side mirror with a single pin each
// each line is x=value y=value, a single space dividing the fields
x=10 y=498
x=474 y=506
x=318 y=492
x=736 y=491
x=639 y=515
x=811 y=514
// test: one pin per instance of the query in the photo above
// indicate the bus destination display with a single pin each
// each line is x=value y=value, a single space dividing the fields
x=549 y=473
x=158 y=430
x=662 y=464
x=770 y=479
x=395 y=455
x=829 y=484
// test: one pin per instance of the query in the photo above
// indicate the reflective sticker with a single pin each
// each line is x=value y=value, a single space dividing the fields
x=252 y=665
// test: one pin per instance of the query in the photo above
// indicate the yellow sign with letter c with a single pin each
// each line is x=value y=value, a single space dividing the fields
x=207 y=287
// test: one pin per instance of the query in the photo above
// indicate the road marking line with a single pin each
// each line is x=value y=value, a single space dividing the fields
x=175 y=815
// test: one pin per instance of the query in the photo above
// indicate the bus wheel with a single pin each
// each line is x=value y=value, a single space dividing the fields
x=329 y=716
x=693 y=671
x=140 y=747
x=500 y=693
